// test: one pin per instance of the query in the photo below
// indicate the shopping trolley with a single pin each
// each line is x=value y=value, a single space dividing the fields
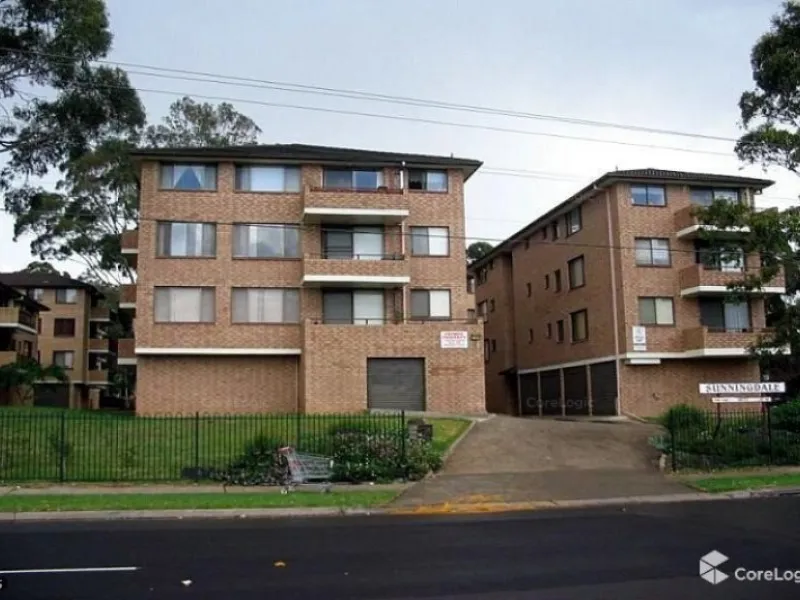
x=306 y=468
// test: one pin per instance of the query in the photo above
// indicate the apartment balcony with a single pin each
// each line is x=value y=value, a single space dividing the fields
x=127 y=296
x=98 y=345
x=17 y=318
x=129 y=245
x=99 y=313
x=698 y=280
x=390 y=335
x=704 y=341
x=7 y=357
x=376 y=206
x=688 y=226
x=384 y=272
x=99 y=377
x=126 y=351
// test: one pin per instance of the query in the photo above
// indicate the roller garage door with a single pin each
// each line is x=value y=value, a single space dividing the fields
x=396 y=383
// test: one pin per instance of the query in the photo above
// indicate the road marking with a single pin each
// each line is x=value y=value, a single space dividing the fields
x=77 y=570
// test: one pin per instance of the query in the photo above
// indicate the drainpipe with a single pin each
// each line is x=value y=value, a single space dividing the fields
x=614 y=300
x=403 y=290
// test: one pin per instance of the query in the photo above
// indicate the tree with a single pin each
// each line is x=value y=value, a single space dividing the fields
x=41 y=267
x=97 y=200
x=477 y=250
x=20 y=377
x=771 y=117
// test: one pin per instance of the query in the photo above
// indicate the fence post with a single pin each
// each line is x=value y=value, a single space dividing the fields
x=299 y=428
x=197 y=446
x=769 y=431
x=672 y=452
x=62 y=449
x=403 y=450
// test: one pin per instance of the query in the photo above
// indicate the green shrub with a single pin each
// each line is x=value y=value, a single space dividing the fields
x=259 y=464
x=363 y=456
x=787 y=416
x=421 y=459
x=684 y=416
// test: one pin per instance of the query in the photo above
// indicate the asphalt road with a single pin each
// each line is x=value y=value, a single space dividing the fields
x=650 y=551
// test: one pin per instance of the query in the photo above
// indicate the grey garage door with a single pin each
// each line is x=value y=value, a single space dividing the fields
x=396 y=383
x=51 y=395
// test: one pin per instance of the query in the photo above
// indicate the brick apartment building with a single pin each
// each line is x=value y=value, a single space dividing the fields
x=288 y=278
x=611 y=303
x=71 y=334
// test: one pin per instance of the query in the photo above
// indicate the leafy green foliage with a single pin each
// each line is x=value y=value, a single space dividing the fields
x=477 y=250
x=25 y=372
x=259 y=464
x=787 y=416
x=683 y=416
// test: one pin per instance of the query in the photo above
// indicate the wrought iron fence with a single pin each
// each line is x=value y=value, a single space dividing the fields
x=69 y=446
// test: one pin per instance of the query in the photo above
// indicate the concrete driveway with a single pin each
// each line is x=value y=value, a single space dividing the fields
x=508 y=459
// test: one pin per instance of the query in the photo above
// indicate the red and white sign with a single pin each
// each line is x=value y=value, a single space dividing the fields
x=454 y=339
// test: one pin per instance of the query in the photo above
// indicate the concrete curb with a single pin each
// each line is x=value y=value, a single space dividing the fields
x=422 y=510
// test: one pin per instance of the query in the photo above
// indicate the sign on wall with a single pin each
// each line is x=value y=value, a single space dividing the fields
x=454 y=339
x=762 y=387
x=639 y=338
x=740 y=399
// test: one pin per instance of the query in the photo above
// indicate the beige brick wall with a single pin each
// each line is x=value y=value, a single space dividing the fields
x=218 y=384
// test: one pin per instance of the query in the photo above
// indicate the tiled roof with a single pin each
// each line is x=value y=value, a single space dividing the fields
x=663 y=175
x=24 y=279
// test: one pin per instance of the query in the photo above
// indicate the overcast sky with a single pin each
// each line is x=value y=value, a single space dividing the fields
x=678 y=65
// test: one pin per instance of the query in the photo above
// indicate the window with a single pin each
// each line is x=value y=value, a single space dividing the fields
x=188 y=177
x=265 y=305
x=184 y=305
x=66 y=296
x=530 y=336
x=430 y=181
x=259 y=178
x=186 y=239
x=358 y=307
x=579 y=326
x=554 y=228
x=652 y=252
x=557 y=277
x=706 y=197
x=430 y=304
x=574 y=223
x=483 y=275
x=721 y=315
x=549 y=331
x=528 y=289
x=430 y=241
x=64 y=327
x=648 y=195
x=491 y=305
x=717 y=259
x=486 y=351
x=470 y=285
x=362 y=243
x=64 y=358
x=266 y=241
x=547 y=282
x=341 y=179
x=560 y=330
x=97 y=362
x=494 y=345
x=39 y=325
x=575 y=273
x=656 y=311
x=36 y=293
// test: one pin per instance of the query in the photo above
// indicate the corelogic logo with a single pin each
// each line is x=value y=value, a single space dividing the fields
x=708 y=567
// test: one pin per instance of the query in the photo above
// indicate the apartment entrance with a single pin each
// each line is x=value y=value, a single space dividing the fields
x=396 y=383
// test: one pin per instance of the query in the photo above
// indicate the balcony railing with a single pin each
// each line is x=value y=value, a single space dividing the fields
x=15 y=314
x=380 y=205
x=99 y=313
x=8 y=357
x=126 y=348
x=98 y=344
x=686 y=220
x=129 y=241
x=127 y=294
x=699 y=338
x=389 y=269
x=701 y=276
x=97 y=376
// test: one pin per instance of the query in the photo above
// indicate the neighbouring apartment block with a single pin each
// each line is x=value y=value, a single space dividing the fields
x=70 y=333
x=294 y=278
x=614 y=303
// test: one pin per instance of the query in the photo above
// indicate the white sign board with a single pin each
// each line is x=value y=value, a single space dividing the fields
x=639 y=339
x=454 y=339
x=763 y=387
x=738 y=399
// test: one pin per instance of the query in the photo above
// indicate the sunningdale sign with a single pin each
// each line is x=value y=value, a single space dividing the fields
x=764 y=387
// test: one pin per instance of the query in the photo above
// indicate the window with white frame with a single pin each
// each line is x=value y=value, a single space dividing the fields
x=430 y=241
x=66 y=296
x=265 y=305
x=184 y=305
x=707 y=196
x=186 y=239
x=266 y=241
x=64 y=358
x=430 y=304
x=430 y=181
x=574 y=222
x=652 y=252
x=648 y=195
x=359 y=243
x=353 y=307
x=352 y=179
x=267 y=178
x=184 y=176
x=36 y=293
x=656 y=311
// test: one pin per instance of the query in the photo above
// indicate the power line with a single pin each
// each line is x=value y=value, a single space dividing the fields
x=375 y=97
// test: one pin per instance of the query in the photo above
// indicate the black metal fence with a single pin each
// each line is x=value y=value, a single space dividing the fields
x=66 y=446
x=711 y=440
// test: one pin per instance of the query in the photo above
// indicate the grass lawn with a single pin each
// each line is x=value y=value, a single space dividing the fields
x=716 y=485
x=54 y=502
x=53 y=444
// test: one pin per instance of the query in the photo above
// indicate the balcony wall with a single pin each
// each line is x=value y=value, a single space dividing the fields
x=97 y=376
x=14 y=314
x=685 y=218
x=698 y=338
x=126 y=348
x=99 y=312
x=129 y=241
x=128 y=294
x=697 y=276
x=314 y=265
x=98 y=344
x=7 y=358
x=385 y=199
